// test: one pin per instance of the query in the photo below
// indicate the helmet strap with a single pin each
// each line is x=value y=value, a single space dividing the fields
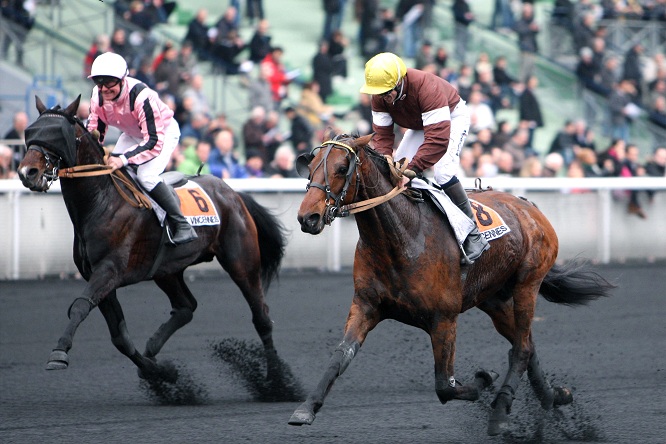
x=399 y=96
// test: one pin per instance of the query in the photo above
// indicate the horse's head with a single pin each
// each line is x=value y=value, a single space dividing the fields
x=53 y=141
x=332 y=169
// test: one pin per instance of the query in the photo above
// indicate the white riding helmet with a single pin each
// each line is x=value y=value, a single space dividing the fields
x=109 y=64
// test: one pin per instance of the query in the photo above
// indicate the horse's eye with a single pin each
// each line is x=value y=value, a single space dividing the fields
x=342 y=170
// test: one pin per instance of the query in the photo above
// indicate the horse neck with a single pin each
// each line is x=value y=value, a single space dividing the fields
x=394 y=219
x=88 y=198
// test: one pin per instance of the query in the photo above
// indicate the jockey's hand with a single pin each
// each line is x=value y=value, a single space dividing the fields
x=404 y=180
x=114 y=162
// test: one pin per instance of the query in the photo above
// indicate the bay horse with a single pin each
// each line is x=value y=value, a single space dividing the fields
x=407 y=268
x=117 y=244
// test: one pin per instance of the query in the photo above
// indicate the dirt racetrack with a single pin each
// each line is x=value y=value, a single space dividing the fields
x=611 y=354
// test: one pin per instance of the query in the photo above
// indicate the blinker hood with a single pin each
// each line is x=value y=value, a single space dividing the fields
x=55 y=133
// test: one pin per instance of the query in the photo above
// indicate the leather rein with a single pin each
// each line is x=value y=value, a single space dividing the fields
x=333 y=203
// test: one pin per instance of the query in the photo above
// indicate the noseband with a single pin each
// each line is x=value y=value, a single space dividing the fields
x=333 y=201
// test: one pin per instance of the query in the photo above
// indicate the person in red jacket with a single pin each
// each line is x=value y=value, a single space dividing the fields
x=276 y=74
x=437 y=122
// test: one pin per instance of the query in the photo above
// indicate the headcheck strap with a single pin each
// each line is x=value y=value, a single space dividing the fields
x=343 y=145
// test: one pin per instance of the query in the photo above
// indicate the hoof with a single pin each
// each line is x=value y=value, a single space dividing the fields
x=58 y=360
x=302 y=416
x=499 y=422
x=563 y=396
x=487 y=378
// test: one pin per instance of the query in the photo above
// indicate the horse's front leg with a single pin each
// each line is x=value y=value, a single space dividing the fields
x=115 y=320
x=443 y=338
x=94 y=292
x=360 y=321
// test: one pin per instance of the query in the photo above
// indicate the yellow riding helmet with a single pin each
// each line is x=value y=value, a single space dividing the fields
x=383 y=72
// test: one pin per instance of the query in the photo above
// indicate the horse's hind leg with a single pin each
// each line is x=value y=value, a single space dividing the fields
x=514 y=322
x=183 y=305
x=245 y=270
x=115 y=320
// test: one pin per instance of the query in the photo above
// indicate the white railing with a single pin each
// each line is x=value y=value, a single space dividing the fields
x=586 y=213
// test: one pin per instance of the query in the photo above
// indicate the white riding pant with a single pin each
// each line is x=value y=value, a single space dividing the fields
x=148 y=174
x=447 y=167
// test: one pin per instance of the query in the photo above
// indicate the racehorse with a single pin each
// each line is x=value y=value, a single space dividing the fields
x=117 y=244
x=407 y=268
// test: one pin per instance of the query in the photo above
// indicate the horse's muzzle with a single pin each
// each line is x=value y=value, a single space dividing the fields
x=311 y=223
x=32 y=178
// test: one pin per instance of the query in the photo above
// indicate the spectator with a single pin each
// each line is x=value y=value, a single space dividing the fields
x=301 y=131
x=622 y=109
x=656 y=167
x=366 y=12
x=589 y=162
x=120 y=45
x=145 y=74
x=505 y=164
x=100 y=45
x=564 y=143
x=584 y=31
x=518 y=147
x=225 y=52
x=187 y=64
x=322 y=70
x=196 y=127
x=657 y=114
x=195 y=157
x=7 y=170
x=632 y=70
x=425 y=56
x=562 y=25
x=589 y=74
x=167 y=75
x=223 y=161
x=466 y=167
x=255 y=10
x=583 y=135
x=441 y=57
x=608 y=75
x=259 y=89
x=633 y=168
x=502 y=19
x=197 y=34
x=17 y=132
x=253 y=132
x=283 y=165
x=529 y=109
x=462 y=17
x=409 y=13
x=19 y=23
x=276 y=75
x=553 y=165
x=532 y=167
x=387 y=32
x=504 y=81
x=260 y=44
x=254 y=164
x=336 y=49
x=502 y=134
x=227 y=25
x=481 y=115
x=195 y=91
x=333 y=15
x=527 y=29
x=312 y=107
x=272 y=137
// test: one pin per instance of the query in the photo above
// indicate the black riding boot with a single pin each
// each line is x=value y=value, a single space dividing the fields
x=167 y=199
x=475 y=244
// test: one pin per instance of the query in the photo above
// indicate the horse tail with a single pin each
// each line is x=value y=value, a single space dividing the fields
x=574 y=283
x=271 y=238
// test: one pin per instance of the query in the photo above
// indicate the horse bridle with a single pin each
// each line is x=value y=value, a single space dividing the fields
x=332 y=201
x=52 y=160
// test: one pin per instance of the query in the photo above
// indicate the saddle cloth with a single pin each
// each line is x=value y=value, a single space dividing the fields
x=490 y=223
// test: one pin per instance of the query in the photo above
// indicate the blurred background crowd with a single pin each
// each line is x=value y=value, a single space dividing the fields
x=291 y=98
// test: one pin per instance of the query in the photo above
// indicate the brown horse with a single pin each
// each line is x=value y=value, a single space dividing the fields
x=407 y=268
x=117 y=244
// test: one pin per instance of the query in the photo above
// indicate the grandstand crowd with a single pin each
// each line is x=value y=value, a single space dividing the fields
x=277 y=129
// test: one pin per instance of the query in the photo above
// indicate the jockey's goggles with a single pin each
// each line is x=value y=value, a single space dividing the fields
x=107 y=81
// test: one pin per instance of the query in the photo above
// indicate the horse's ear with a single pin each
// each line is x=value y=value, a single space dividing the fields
x=363 y=140
x=73 y=107
x=40 y=105
x=329 y=134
